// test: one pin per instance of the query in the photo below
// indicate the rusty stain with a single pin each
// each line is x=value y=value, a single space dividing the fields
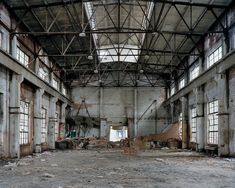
x=226 y=136
x=25 y=150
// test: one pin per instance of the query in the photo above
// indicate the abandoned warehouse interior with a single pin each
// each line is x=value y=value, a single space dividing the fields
x=135 y=78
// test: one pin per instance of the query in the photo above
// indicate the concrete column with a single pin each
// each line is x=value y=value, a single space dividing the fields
x=38 y=120
x=14 y=46
x=201 y=65
x=184 y=103
x=200 y=117
x=50 y=77
x=223 y=116
x=14 y=115
x=130 y=127
x=52 y=123
x=63 y=112
x=172 y=112
x=103 y=122
x=104 y=128
x=135 y=112
x=226 y=42
x=37 y=63
x=62 y=121
x=101 y=96
x=155 y=118
x=186 y=77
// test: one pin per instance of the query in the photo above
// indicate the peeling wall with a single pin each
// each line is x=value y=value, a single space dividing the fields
x=45 y=105
x=4 y=103
x=232 y=111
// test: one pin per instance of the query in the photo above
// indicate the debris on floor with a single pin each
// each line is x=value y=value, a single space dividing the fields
x=169 y=138
x=10 y=165
x=97 y=168
x=47 y=175
x=129 y=151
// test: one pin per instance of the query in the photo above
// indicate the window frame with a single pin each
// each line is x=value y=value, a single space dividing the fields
x=181 y=125
x=182 y=83
x=195 y=72
x=57 y=128
x=43 y=75
x=24 y=123
x=172 y=88
x=64 y=91
x=22 y=56
x=213 y=122
x=43 y=125
x=193 y=124
x=54 y=80
x=214 y=56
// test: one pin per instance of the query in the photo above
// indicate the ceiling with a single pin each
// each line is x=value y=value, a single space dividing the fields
x=118 y=42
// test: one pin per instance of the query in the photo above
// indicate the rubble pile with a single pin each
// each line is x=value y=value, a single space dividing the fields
x=95 y=142
x=169 y=138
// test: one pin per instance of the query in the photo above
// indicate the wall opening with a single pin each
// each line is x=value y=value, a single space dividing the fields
x=118 y=133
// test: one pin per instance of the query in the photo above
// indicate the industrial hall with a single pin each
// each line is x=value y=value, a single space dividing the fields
x=117 y=93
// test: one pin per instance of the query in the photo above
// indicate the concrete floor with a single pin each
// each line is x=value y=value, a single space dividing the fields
x=111 y=168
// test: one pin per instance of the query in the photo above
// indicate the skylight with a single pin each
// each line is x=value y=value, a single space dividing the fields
x=127 y=53
x=111 y=51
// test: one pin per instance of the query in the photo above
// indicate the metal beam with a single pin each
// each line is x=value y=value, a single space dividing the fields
x=53 y=4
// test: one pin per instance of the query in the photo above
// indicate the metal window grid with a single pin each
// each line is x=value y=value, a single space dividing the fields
x=193 y=125
x=22 y=57
x=213 y=123
x=24 y=122
x=44 y=125
x=214 y=57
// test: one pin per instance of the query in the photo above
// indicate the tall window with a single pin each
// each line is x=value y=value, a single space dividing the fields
x=43 y=73
x=213 y=122
x=181 y=83
x=55 y=83
x=214 y=57
x=63 y=89
x=44 y=125
x=194 y=72
x=22 y=57
x=24 y=122
x=172 y=90
x=57 y=127
x=193 y=125
x=180 y=125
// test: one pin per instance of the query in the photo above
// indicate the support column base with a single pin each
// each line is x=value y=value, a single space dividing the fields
x=38 y=148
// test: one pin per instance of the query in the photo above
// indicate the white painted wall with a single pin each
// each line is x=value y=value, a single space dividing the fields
x=145 y=97
x=116 y=105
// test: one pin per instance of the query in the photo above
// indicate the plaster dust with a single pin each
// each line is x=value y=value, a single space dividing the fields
x=112 y=168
